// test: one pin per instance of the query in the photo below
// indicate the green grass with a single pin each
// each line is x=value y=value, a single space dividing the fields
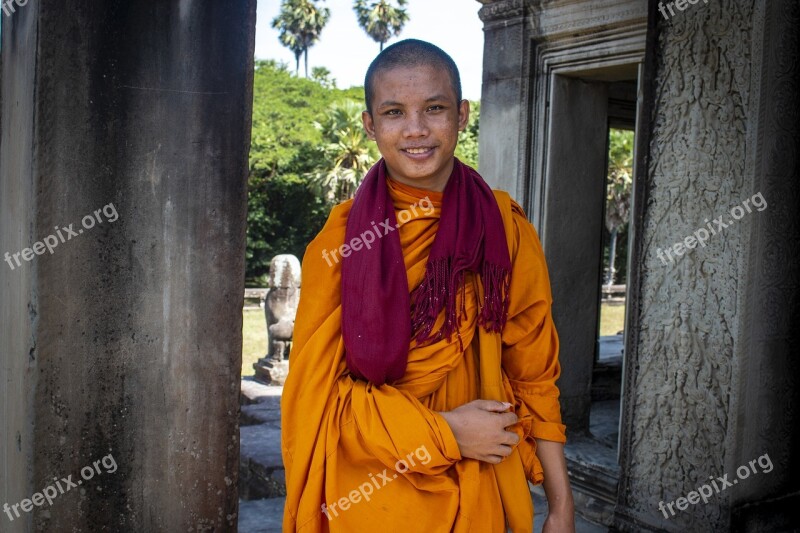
x=612 y=318
x=254 y=339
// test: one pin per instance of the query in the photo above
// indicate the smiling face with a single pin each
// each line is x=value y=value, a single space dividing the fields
x=415 y=121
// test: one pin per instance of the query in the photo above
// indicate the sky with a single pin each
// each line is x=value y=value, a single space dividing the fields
x=346 y=50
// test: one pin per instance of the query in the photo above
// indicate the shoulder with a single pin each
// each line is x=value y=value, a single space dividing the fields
x=338 y=215
x=335 y=225
x=512 y=212
x=519 y=230
x=330 y=238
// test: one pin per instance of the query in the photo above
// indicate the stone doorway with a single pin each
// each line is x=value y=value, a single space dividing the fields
x=583 y=106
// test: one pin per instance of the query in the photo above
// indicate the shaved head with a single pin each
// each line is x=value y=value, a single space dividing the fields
x=411 y=53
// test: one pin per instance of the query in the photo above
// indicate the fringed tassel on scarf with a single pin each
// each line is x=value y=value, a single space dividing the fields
x=428 y=299
x=494 y=312
x=440 y=288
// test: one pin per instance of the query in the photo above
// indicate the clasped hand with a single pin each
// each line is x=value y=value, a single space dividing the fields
x=480 y=429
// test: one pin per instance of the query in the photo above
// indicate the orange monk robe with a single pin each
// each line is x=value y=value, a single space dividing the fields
x=341 y=435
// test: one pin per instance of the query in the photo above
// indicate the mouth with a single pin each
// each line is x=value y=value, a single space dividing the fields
x=420 y=152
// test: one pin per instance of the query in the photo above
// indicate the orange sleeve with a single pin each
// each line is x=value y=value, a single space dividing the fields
x=530 y=341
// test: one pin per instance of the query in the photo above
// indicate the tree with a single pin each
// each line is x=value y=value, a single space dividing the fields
x=467 y=148
x=618 y=195
x=288 y=37
x=348 y=152
x=323 y=76
x=300 y=23
x=285 y=209
x=380 y=19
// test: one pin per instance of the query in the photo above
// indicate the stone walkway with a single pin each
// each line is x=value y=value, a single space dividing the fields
x=265 y=516
x=261 y=474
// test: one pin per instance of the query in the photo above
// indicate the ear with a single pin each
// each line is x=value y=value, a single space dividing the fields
x=369 y=125
x=463 y=114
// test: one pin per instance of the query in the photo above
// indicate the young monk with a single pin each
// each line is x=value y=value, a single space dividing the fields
x=421 y=394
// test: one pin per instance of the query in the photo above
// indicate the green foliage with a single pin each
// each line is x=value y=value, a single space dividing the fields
x=284 y=111
x=284 y=215
x=618 y=203
x=347 y=152
x=300 y=23
x=620 y=178
x=323 y=76
x=285 y=210
x=467 y=148
x=380 y=19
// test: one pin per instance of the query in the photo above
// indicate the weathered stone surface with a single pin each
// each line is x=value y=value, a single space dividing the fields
x=711 y=381
x=261 y=465
x=261 y=516
x=267 y=411
x=711 y=373
x=504 y=121
x=261 y=468
x=253 y=391
x=127 y=339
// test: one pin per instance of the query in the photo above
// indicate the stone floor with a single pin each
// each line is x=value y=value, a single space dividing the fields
x=264 y=516
x=261 y=516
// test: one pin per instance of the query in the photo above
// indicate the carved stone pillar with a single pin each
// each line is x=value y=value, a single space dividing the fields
x=712 y=373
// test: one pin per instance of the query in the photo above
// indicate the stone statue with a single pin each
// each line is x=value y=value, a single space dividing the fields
x=280 y=308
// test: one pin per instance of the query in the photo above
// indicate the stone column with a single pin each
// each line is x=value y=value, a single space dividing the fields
x=711 y=375
x=504 y=133
x=123 y=146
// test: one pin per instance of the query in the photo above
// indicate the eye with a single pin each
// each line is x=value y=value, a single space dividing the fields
x=394 y=112
x=436 y=107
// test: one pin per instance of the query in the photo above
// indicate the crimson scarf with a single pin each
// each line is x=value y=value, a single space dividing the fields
x=379 y=317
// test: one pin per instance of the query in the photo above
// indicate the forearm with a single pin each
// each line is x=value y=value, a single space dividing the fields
x=556 y=480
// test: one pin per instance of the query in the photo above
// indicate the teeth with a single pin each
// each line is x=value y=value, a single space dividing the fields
x=417 y=150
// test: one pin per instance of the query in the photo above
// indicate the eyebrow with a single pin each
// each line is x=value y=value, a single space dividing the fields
x=438 y=97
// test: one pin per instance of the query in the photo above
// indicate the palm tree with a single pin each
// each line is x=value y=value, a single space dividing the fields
x=290 y=41
x=348 y=149
x=300 y=23
x=618 y=194
x=380 y=19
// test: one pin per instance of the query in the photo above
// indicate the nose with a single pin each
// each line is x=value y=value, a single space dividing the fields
x=416 y=125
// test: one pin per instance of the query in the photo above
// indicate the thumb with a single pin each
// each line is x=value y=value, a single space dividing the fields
x=492 y=405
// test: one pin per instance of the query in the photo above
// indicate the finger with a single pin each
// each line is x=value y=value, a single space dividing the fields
x=493 y=459
x=492 y=405
x=512 y=439
x=509 y=419
x=502 y=450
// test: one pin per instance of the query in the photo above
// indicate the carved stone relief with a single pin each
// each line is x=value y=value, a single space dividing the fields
x=681 y=391
x=502 y=9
